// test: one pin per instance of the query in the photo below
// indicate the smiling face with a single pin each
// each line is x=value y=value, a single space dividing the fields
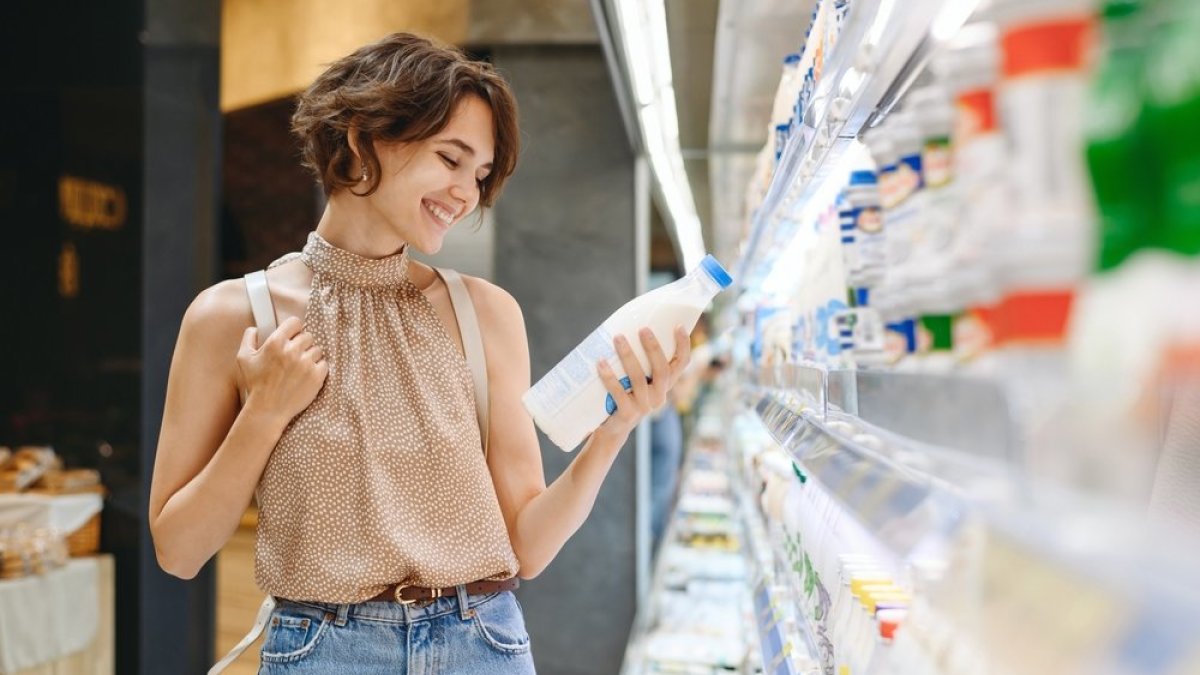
x=427 y=186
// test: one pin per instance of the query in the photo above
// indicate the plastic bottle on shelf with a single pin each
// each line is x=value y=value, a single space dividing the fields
x=1046 y=249
x=1042 y=94
x=867 y=332
x=855 y=570
x=789 y=89
x=884 y=297
x=570 y=401
x=1123 y=172
x=972 y=72
x=937 y=292
x=1133 y=323
x=1171 y=108
x=846 y=225
x=783 y=122
x=883 y=153
x=903 y=225
x=866 y=222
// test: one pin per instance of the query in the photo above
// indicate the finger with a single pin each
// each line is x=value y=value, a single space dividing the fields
x=315 y=354
x=660 y=371
x=683 y=350
x=618 y=398
x=249 y=340
x=287 y=330
x=303 y=342
x=633 y=370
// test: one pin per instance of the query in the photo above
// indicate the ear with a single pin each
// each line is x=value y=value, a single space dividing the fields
x=352 y=138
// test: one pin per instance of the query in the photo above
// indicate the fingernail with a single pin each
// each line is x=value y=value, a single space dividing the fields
x=647 y=333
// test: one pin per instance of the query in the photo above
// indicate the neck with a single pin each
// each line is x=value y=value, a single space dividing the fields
x=350 y=224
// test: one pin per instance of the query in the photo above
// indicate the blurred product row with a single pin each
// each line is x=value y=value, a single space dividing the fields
x=962 y=430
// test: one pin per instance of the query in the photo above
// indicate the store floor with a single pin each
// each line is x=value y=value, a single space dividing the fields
x=238 y=599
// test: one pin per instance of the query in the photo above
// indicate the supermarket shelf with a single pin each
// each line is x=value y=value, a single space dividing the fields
x=774 y=596
x=643 y=651
x=1084 y=585
x=901 y=507
x=882 y=49
x=970 y=415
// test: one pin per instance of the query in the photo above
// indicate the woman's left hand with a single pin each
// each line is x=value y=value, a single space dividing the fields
x=648 y=392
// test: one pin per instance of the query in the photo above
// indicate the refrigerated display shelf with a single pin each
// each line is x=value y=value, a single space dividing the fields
x=879 y=53
x=1084 y=585
x=784 y=651
x=700 y=572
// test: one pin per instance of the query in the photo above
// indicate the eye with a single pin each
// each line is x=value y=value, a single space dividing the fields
x=449 y=162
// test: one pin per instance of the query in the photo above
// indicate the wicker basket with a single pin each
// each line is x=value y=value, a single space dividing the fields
x=86 y=540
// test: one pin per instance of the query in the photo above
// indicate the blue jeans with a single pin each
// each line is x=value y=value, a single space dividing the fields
x=484 y=634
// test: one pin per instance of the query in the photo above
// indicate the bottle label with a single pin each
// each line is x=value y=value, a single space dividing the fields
x=937 y=162
x=907 y=178
x=976 y=115
x=871 y=246
x=888 y=196
x=558 y=386
x=900 y=339
x=935 y=334
x=972 y=333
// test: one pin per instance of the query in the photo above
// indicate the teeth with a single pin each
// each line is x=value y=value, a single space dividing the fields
x=441 y=214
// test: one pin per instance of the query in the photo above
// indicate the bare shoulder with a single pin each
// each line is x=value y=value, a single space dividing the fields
x=219 y=313
x=496 y=307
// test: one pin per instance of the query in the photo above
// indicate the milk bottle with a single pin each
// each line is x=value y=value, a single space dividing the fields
x=571 y=401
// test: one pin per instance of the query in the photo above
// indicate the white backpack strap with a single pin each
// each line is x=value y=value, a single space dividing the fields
x=261 y=304
x=264 y=614
x=264 y=318
x=468 y=327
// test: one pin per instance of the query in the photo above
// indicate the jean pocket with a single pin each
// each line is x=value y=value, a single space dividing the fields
x=293 y=632
x=499 y=622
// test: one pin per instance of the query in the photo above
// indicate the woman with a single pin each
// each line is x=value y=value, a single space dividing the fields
x=390 y=540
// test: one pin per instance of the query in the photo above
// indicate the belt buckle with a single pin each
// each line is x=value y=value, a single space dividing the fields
x=399 y=589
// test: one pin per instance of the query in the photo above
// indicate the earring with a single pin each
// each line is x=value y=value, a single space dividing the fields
x=364 y=172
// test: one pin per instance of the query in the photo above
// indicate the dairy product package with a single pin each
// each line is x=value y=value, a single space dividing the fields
x=570 y=401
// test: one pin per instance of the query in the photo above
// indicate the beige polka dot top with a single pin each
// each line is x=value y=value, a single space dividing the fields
x=381 y=480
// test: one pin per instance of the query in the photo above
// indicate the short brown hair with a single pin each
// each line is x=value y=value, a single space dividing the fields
x=402 y=88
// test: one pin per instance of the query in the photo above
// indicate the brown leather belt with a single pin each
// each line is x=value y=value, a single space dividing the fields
x=407 y=595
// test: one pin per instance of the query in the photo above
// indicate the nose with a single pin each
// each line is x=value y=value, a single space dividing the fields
x=463 y=194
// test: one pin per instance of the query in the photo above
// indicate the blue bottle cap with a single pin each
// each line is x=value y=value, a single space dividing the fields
x=714 y=270
x=862 y=297
x=863 y=178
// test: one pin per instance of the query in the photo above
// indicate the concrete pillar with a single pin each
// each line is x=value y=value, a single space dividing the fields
x=182 y=156
x=565 y=248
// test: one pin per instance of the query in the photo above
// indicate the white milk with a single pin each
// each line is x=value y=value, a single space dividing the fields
x=571 y=401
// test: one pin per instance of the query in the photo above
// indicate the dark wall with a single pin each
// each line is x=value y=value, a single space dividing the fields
x=269 y=201
x=70 y=279
x=565 y=238
x=182 y=167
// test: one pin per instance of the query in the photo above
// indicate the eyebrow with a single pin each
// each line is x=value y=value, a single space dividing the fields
x=464 y=147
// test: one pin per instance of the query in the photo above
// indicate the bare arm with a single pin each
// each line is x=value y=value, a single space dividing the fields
x=211 y=454
x=541 y=519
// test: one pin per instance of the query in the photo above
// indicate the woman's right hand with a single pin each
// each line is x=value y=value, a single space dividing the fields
x=284 y=374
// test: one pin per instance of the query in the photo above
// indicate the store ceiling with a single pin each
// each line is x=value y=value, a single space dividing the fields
x=726 y=59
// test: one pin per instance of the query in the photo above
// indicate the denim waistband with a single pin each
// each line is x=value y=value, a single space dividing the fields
x=395 y=612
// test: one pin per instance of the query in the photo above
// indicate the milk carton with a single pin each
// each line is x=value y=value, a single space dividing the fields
x=571 y=401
